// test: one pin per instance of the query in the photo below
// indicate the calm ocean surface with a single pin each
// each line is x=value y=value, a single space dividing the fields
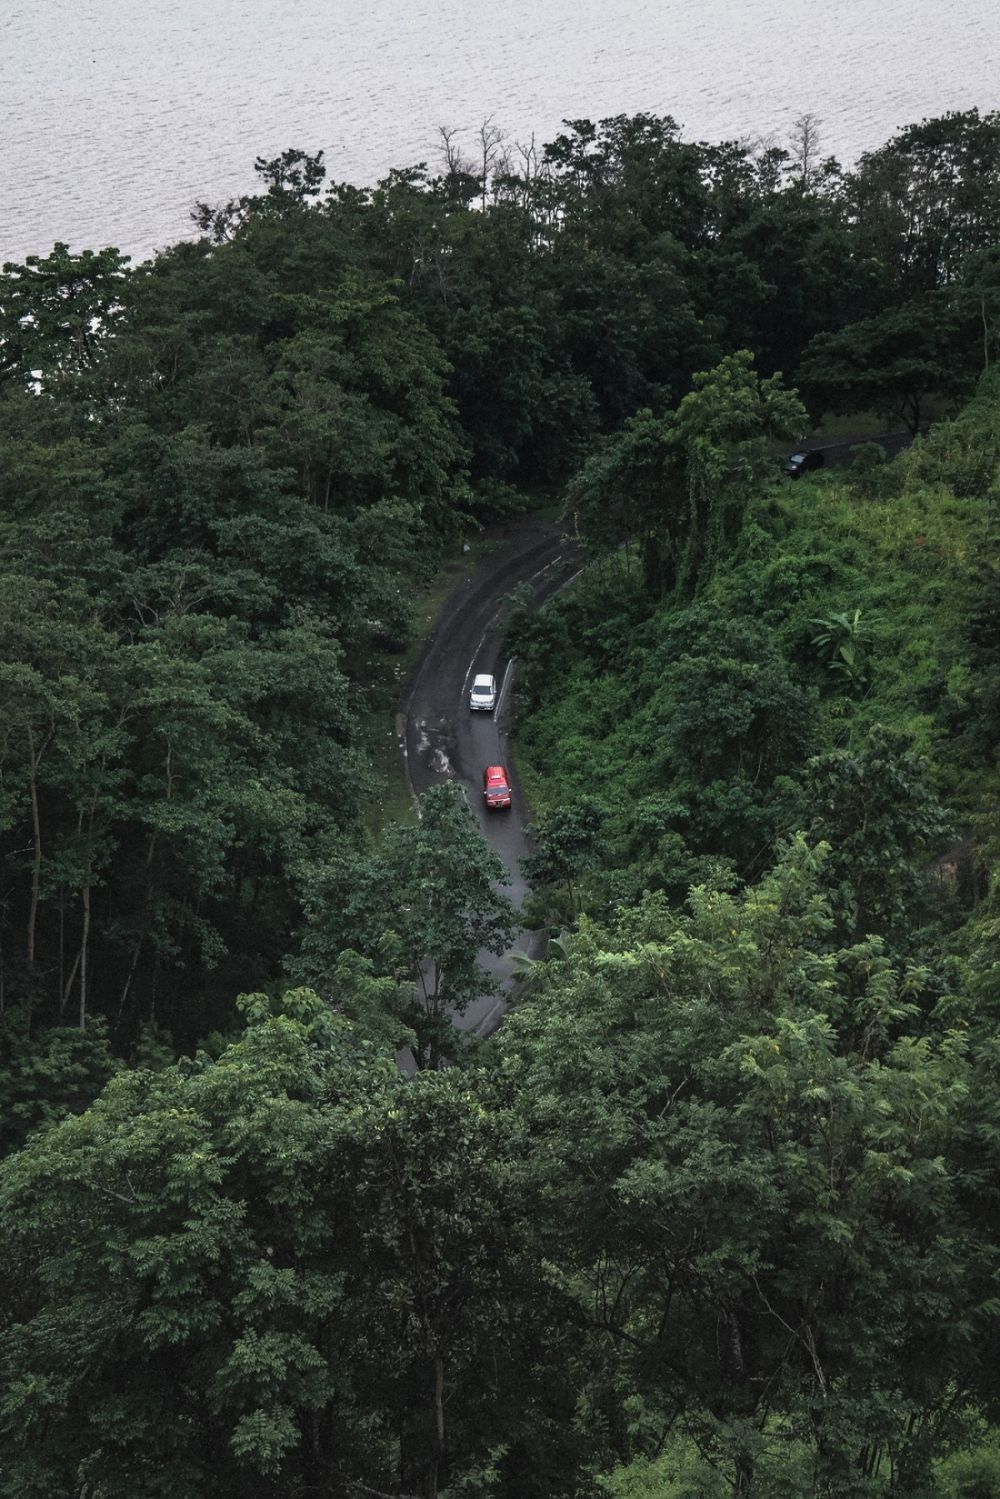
x=116 y=115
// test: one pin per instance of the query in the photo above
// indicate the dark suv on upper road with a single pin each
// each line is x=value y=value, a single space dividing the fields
x=803 y=463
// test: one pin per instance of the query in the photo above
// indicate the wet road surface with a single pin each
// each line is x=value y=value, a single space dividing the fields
x=444 y=740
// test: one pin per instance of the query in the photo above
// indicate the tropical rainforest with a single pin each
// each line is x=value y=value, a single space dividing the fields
x=717 y=1209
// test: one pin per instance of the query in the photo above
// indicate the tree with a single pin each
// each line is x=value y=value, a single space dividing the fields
x=627 y=492
x=680 y=485
x=889 y=363
x=876 y=808
x=724 y=430
x=805 y=144
x=291 y=180
x=928 y=198
x=356 y=405
x=47 y=1074
x=57 y=313
x=730 y=719
x=286 y=1269
x=425 y=905
x=976 y=295
x=750 y=1162
x=59 y=752
x=787 y=271
x=567 y=842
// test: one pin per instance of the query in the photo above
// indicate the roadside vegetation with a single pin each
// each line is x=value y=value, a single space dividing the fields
x=852 y=611
x=717 y=1210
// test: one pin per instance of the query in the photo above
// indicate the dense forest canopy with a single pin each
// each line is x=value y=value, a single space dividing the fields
x=716 y=1211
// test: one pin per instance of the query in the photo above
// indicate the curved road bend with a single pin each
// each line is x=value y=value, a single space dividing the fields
x=443 y=740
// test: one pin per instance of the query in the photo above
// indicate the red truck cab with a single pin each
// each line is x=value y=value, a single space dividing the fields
x=496 y=787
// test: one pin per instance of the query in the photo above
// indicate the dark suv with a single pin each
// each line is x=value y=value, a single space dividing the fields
x=803 y=463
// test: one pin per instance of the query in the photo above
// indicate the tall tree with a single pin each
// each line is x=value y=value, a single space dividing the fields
x=57 y=312
x=425 y=905
x=752 y=1167
x=287 y=1269
x=928 y=198
x=876 y=807
x=681 y=484
x=890 y=363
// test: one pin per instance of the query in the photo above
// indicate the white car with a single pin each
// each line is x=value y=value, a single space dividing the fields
x=483 y=696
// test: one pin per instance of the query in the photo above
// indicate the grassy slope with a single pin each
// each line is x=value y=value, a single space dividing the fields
x=899 y=548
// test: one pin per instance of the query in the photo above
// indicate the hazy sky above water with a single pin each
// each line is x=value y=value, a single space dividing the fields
x=116 y=115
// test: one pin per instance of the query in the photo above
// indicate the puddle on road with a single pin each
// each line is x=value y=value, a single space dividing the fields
x=433 y=748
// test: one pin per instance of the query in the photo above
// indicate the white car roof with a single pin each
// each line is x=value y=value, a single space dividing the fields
x=482 y=682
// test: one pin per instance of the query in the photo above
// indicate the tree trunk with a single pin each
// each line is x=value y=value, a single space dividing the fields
x=986 y=333
x=84 y=944
x=36 y=829
x=911 y=414
x=64 y=996
x=434 y=1472
x=143 y=922
x=62 y=940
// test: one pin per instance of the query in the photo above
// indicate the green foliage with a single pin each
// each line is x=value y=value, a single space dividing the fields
x=717 y=1211
x=57 y=314
x=725 y=428
x=722 y=1108
x=715 y=1218
x=962 y=454
x=679 y=1474
x=679 y=486
x=231 y=468
x=423 y=905
x=253 y=1273
x=970 y=1475
x=889 y=363
x=688 y=722
x=941 y=175
x=878 y=812
x=695 y=723
x=48 y=1074
x=222 y=473
x=841 y=640
x=566 y=843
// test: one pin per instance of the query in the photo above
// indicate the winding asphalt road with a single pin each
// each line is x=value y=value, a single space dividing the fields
x=442 y=739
